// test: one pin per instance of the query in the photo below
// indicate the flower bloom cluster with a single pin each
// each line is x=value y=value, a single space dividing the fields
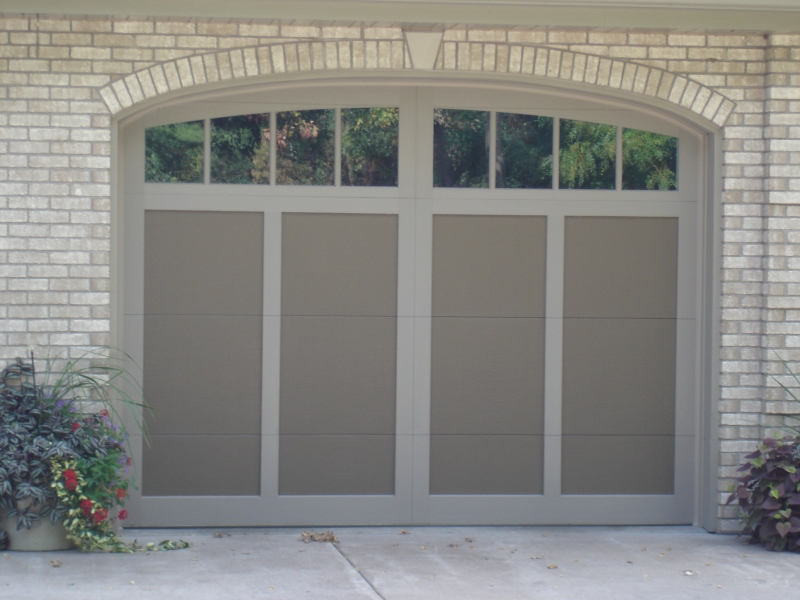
x=90 y=498
x=91 y=490
x=70 y=480
x=94 y=511
x=100 y=515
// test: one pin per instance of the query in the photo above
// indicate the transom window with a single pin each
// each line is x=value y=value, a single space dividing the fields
x=307 y=146
x=359 y=147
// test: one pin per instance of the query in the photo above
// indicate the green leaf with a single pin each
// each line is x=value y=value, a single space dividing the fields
x=783 y=529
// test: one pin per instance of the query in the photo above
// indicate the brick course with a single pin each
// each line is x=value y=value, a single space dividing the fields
x=62 y=79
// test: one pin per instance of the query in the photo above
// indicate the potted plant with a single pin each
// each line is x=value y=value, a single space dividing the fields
x=64 y=465
x=768 y=493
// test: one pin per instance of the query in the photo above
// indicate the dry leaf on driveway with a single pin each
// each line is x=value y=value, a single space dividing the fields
x=327 y=536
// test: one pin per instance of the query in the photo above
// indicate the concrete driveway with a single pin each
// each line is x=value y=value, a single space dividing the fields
x=418 y=562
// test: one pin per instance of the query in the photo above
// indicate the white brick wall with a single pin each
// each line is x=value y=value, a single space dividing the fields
x=55 y=149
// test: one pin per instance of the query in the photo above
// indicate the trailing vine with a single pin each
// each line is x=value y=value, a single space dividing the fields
x=60 y=457
x=89 y=496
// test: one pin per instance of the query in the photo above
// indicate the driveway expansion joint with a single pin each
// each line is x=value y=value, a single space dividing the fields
x=357 y=570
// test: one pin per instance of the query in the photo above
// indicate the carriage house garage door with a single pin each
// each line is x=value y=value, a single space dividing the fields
x=345 y=316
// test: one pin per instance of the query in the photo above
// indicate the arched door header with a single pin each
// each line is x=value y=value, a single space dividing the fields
x=525 y=61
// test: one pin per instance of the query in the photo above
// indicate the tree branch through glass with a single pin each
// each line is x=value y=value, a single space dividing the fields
x=305 y=147
x=369 y=146
x=240 y=149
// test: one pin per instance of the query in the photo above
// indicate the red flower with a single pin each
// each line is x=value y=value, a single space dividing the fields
x=75 y=426
x=99 y=516
x=104 y=413
x=70 y=479
x=123 y=514
x=121 y=493
x=86 y=505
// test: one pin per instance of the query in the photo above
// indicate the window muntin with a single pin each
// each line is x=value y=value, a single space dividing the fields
x=174 y=153
x=240 y=149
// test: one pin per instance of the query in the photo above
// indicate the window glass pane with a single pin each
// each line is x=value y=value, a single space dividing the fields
x=524 y=151
x=587 y=155
x=240 y=149
x=305 y=147
x=369 y=146
x=460 y=148
x=174 y=153
x=649 y=161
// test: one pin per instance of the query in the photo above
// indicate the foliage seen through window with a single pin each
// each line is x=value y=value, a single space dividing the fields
x=524 y=151
x=369 y=146
x=240 y=149
x=649 y=161
x=460 y=148
x=174 y=153
x=305 y=147
x=587 y=155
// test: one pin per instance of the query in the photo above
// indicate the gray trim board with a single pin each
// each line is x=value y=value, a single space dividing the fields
x=736 y=15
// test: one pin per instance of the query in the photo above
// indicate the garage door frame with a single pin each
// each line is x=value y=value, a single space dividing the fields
x=415 y=230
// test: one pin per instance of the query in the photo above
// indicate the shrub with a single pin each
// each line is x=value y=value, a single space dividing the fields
x=769 y=494
x=61 y=457
x=42 y=423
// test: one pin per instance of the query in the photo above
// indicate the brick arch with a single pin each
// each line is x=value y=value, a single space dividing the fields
x=357 y=55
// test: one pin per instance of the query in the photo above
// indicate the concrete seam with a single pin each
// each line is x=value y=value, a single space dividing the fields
x=357 y=570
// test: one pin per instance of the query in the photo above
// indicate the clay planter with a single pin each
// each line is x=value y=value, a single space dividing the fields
x=42 y=537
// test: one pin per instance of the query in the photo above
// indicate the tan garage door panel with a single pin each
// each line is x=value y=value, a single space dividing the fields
x=203 y=281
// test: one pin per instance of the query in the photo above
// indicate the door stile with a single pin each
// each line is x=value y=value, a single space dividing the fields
x=271 y=352
x=554 y=338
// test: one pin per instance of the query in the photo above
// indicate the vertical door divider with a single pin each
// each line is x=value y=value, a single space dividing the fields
x=271 y=355
x=554 y=340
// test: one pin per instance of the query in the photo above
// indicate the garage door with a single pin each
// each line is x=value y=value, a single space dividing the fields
x=411 y=305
